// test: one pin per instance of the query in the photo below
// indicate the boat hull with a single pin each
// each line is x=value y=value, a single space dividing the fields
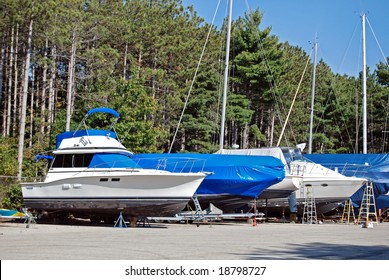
x=111 y=207
x=334 y=189
x=132 y=192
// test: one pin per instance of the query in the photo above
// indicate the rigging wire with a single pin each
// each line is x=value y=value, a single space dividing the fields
x=348 y=46
x=194 y=77
x=384 y=132
x=333 y=86
x=272 y=84
x=379 y=46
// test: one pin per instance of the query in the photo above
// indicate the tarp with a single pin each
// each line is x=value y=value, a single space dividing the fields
x=273 y=151
x=230 y=174
x=374 y=167
x=11 y=213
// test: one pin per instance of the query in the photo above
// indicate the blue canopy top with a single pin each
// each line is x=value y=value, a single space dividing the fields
x=103 y=110
x=80 y=133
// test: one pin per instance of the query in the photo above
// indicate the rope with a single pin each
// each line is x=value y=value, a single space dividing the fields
x=294 y=99
x=278 y=104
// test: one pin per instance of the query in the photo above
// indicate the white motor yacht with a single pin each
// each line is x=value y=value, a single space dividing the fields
x=92 y=175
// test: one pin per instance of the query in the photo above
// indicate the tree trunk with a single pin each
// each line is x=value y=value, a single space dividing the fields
x=69 y=98
x=43 y=96
x=24 y=104
x=32 y=106
x=50 y=119
x=125 y=63
x=15 y=82
x=9 y=97
x=139 y=63
x=2 y=68
x=245 y=140
x=2 y=65
x=272 y=128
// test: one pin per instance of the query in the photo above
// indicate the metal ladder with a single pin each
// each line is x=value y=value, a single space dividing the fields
x=368 y=206
x=309 y=214
x=198 y=214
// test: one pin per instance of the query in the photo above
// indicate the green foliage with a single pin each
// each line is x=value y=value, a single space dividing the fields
x=12 y=197
x=383 y=73
x=135 y=127
x=139 y=57
x=8 y=161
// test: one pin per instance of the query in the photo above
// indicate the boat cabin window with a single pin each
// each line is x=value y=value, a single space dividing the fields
x=73 y=160
x=103 y=160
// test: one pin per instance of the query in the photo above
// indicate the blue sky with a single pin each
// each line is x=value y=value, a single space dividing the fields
x=337 y=24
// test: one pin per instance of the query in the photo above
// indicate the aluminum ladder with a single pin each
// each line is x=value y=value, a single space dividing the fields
x=309 y=214
x=368 y=211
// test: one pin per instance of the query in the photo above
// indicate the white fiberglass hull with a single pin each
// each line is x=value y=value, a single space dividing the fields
x=282 y=189
x=135 y=192
x=330 y=188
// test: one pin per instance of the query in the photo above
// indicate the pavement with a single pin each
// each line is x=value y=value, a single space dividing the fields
x=217 y=241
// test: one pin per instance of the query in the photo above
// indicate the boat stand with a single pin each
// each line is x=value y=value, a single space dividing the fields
x=143 y=221
x=29 y=218
x=121 y=223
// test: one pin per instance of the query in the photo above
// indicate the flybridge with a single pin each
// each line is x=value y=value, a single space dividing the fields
x=81 y=137
x=90 y=132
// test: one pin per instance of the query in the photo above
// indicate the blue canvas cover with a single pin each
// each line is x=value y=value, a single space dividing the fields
x=103 y=110
x=238 y=175
x=374 y=167
x=80 y=133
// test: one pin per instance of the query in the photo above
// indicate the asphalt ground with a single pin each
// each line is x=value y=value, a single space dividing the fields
x=217 y=241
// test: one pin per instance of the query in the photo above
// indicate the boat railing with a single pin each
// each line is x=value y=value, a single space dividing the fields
x=167 y=164
x=350 y=169
x=297 y=169
x=346 y=169
x=176 y=165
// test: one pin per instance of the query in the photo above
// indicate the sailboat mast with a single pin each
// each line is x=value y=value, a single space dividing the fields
x=364 y=85
x=225 y=86
x=313 y=96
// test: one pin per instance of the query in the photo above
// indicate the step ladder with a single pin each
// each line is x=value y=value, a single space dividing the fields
x=198 y=215
x=348 y=212
x=368 y=211
x=309 y=214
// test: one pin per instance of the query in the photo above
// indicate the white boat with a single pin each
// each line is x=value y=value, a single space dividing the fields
x=92 y=175
x=328 y=187
x=289 y=184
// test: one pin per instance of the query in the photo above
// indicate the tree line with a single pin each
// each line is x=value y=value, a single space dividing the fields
x=61 y=58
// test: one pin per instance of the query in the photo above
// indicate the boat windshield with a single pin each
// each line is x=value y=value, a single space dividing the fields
x=297 y=154
x=99 y=160
x=112 y=161
x=293 y=155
